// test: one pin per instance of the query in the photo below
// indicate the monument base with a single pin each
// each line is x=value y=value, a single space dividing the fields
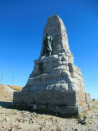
x=69 y=102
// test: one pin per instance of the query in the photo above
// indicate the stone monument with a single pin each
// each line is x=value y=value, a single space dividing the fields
x=55 y=84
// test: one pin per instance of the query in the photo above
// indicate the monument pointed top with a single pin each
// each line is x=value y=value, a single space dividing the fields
x=55 y=28
x=54 y=13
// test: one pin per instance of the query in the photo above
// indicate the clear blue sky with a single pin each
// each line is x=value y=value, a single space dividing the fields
x=21 y=30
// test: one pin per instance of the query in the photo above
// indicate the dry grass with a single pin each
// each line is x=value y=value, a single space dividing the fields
x=94 y=101
x=18 y=88
x=5 y=95
x=0 y=86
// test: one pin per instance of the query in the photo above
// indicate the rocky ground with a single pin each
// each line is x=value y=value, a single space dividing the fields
x=14 y=120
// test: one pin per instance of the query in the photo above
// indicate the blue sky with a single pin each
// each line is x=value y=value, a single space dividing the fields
x=21 y=30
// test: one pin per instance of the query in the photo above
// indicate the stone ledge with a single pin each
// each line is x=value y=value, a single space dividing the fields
x=46 y=97
x=50 y=109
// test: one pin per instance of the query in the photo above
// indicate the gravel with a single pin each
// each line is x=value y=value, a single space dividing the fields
x=13 y=120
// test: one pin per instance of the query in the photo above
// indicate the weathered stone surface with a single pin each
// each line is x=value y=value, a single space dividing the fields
x=62 y=67
x=71 y=86
x=61 y=63
x=30 y=81
x=33 y=87
x=57 y=63
x=64 y=63
x=47 y=97
x=66 y=73
x=36 y=67
x=88 y=99
x=61 y=87
x=53 y=58
x=36 y=72
x=25 y=89
x=42 y=76
x=56 y=73
x=50 y=87
x=69 y=79
x=43 y=59
x=36 y=61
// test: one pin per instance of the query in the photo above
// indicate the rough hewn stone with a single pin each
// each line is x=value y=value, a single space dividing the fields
x=55 y=79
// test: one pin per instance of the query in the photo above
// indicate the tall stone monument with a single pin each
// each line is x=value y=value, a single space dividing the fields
x=55 y=84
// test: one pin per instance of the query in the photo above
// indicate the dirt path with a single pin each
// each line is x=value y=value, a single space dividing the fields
x=9 y=89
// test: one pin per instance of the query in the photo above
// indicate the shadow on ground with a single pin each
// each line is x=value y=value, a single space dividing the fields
x=19 y=107
x=5 y=104
x=10 y=105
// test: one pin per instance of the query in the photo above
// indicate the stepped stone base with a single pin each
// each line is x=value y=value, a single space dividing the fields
x=55 y=73
x=61 y=102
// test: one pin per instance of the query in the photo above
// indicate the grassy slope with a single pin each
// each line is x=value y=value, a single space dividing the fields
x=5 y=95
x=18 y=88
